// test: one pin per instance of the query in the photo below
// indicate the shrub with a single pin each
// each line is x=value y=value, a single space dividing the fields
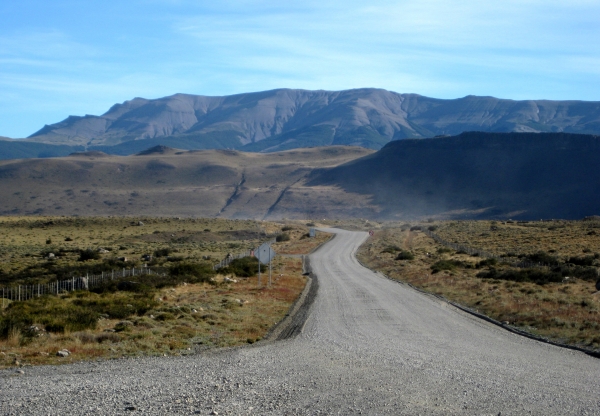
x=432 y=227
x=405 y=255
x=538 y=276
x=287 y=228
x=163 y=252
x=541 y=257
x=165 y=316
x=415 y=228
x=391 y=249
x=88 y=254
x=581 y=272
x=582 y=261
x=182 y=272
x=282 y=237
x=110 y=336
x=486 y=263
x=244 y=267
x=440 y=265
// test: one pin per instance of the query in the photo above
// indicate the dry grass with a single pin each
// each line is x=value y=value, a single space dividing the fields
x=25 y=241
x=187 y=317
x=568 y=312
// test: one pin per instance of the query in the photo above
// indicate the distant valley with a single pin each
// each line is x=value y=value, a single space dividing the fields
x=472 y=175
x=286 y=119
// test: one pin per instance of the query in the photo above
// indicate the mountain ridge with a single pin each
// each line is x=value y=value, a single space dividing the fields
x=293 y=118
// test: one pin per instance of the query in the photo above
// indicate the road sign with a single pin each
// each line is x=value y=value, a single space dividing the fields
x=371 y=232
x=264 y=253
x=312 y=233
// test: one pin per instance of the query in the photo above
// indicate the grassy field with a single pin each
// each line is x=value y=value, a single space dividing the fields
x=190 y=308
x=558 y=301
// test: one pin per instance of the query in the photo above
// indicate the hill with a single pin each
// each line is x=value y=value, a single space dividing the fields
x=284 y=119
x=477 y=175
x=472 y=175
x=169 y=182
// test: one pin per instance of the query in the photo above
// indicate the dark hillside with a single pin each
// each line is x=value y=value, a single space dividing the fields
x=518 y=175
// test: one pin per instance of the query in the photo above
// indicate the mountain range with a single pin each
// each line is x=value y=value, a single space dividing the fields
x=284 y=119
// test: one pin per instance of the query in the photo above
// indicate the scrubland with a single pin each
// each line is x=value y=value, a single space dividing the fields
x=542 y=278
x=184 y=307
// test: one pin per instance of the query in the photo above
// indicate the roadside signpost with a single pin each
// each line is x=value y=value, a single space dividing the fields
x=264 y=254
x=312 y=233
x=371 y=232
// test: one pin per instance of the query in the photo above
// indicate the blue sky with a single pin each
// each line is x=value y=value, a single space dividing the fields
x=60 y=58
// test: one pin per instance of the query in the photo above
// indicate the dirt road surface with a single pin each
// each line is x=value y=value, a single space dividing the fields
x=369 y=346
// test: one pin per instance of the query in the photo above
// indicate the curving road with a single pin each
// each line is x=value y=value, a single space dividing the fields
x=369 y=346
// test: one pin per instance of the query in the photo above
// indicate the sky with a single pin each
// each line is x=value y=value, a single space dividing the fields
x=61 y=57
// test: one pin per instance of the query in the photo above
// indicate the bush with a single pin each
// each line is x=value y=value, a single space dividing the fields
x=486 y=263
x=55 y=314
x=405 y=255
x=287 y=228
x=538 y=276
x=88 y=254
x=165 y=316
x=282 y=237
x=541 y=257
x=391 y=249
x=581 y=272
x=415 y=228
x=432 y=227
x=582 y=261
x=244 y=267
x=193 y=272
x=163 y=252
x=445 y=265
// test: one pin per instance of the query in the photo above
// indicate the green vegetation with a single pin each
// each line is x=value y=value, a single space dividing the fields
x=405 y=255
x=391 y=249
x=182 y=304
x=447 y=265
x=538 y=276
x=76 y=311
x=282 y=237
x=244 y=267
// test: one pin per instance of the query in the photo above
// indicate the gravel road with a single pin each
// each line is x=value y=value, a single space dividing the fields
x=369 y=346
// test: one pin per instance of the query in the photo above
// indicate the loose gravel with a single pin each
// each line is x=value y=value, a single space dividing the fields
x=368 y=346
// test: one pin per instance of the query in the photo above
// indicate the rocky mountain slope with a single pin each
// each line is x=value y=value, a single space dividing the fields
x=284 y=119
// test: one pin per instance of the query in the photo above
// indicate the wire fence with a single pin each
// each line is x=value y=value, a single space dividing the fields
x=231 y=257
x=25 y=292
x=482 y=253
